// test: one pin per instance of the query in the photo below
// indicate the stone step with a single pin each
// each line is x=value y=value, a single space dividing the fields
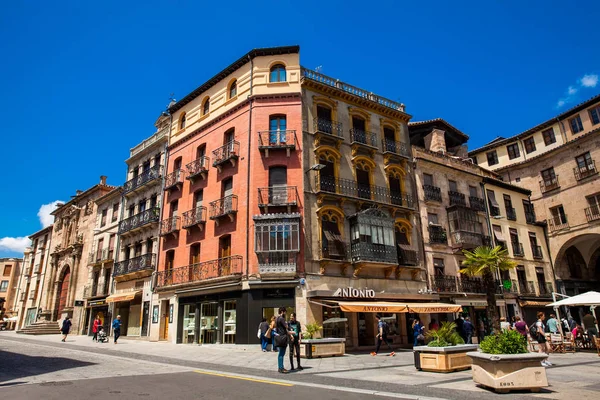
x=41 y=328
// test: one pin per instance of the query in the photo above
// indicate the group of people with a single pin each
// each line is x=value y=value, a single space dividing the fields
x=99 y=335
x=281 y=334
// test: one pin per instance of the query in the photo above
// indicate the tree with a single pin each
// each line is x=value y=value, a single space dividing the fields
x=485 y=261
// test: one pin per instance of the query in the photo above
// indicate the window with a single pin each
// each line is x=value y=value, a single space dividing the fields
x=233 y=89
x=115 y=212
x=510 y=211
x=153 y=201
x=492 y=157
x=277 y=235
x=131 y=211
x=499 y=236
x=432 y=219
x=170 y=260
x=439 y=267
x=529 y=145
x=558 y=215
x=576 y=125
x=7 y=270
x=142 y=206
x=513 y=151
x=174 y=208
x=549 y=177
x=277 y=128
x=453 y=186
x=182 y=121
x=474 y=158
x=595 y=115
x=428 y=179
x=494 y=206
x=3 y=286
x=103 y=218
x=177 y=163
x=198 y=197
x=157 y=160
x=206 y=106
x=111 y=245
x=194 y=253
x=278 y=73
x=584 y=162
x=549 y=137
x=514 y=236
x=473 y=191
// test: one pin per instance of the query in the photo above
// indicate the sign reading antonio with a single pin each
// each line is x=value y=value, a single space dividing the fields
x=355 y=293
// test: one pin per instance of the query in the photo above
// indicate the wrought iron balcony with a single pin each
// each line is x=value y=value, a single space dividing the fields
x=530 y=217
x=334 y=250
x=397 y=148
x=545 y=288
x=174 y=180
x=226 y=267
x=169 y=226
x=277 y=140
x=527 y=288
x=372 y=252
x=517 y=249
x=363 y=137
x=592 y=213
x=468 y=239
x=476 y=203
x=329 y=127
x=471 y=285
x=511 y=214
x=407 y=257
x=198 y=168
x=457 y=199
x=146 y=262
x=547 y=185
x=101 y=255
x=494 y=211
x=437 y=235
x=228 y=152
x=514 y=287
x=558 y=223
x=142 y=179
x=433 y=193
x=277 y=263
x=139 y=220
x=537 y=251
x=445 y=283
x=227 y=206
x=586 y=171
x=276 y=196
x=194 y=217
x=350 y=188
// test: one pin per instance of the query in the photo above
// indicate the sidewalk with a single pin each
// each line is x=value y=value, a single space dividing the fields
x=573 y=375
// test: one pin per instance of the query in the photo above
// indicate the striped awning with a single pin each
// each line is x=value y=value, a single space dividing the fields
x=127 y=296
x=533 y=303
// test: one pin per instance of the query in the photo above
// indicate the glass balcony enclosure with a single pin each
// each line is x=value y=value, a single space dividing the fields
x=372 y=235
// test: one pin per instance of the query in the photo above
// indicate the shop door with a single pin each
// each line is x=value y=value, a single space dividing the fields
x=145 y=316
x=165 y=333
x=123 y=311
x=366 y=329
x=31 y=313
x=63 y=291
x=209 y=322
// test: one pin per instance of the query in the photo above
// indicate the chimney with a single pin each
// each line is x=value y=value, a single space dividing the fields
x=436 y=140
x=102 y=179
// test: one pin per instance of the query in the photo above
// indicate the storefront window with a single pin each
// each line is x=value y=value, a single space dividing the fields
x=189 y=323
x=209 y=322
x=335 y=323
x=229 y=319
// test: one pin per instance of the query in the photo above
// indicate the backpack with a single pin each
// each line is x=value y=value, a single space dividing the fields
x=385 y=327
x=533 y=329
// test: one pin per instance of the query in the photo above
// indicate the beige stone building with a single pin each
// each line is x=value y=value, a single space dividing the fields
x=10 y=271
x=556 y=161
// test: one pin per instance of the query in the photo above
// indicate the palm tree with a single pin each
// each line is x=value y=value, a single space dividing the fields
x=485 y=261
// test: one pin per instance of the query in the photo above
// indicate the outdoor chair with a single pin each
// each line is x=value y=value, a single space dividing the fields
x=569 y=343
x=532 y=344
x=556 y=342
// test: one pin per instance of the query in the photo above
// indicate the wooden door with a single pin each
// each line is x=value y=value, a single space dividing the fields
x=166 y=324
x=63 y=291
x=224 y=254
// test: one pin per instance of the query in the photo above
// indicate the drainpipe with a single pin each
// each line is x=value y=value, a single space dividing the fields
x=248 y=175
x=420 y=224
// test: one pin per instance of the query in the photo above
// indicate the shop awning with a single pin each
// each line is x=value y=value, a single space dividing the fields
x=533 y=303
x=127 y=296
x=398 y=307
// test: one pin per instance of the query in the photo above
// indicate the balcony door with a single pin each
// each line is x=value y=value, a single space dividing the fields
x=359 y=135
x=278 y=185
x=541 y=279
x=558 y=215
x=277 y=128
x=194 y=259
x=224 y=254
x=584 y=162
x=228 y=140
x=146 y=166
x=363 y=184
x=142 y=206
x=389 y=138
x=99 y=249
x=327 y=176
x=522 y=278
x=227 y=192
x=332 y=244
x=324 y=119
x=395 y=190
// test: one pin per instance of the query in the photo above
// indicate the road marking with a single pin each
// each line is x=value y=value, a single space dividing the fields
x=244 y=378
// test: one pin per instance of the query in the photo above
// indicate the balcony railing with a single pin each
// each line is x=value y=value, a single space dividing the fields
x=445 y=283
x=169 y=226
x=220 y=268
x=537 y=251
x=148 y=142
x=198 y=168
x=101 y=255
x=511 y=214
x=222 y=207
x=194 y=217
x=547 y=185
x=351 y=188
x=469 y=239
x=143 y=178
x=494 y=211
x=333 y=128
x=334 y=250
x=530 y=217
x=137 y=221
x=407 y=257
x=398 y=148
x=457 y=199
x=353 y=90
x=274 y=140
x=362 y=137
x=277 y=262
x=585 y=171
x=545 y=288
x=592 y=213
x=476 y=203
x=433 y=193
x=135 y=264
x=228 y=152
x=437 y=235
x=517 y=249
x=526 y=288
x=557 y=223
x=471 y=285
x=373 y=252
x=277 y=196
x=514 y=287
x=174 y=179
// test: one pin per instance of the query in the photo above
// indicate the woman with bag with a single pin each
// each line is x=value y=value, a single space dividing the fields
x=417 y=332
x=282 y=336
x=97 y=324
x=263 y=327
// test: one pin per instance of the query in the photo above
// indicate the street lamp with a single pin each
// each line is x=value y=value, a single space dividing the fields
x=316 y=167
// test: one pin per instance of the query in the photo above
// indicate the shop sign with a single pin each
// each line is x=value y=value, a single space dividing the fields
x=355 y=293
x=94 y=303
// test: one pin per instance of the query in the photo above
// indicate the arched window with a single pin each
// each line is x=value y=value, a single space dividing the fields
x=182 y=121
x=233 y=89
x=206 y=106
x=278 y=73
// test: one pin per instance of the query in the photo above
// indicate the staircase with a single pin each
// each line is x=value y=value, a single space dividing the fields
x=41 y=328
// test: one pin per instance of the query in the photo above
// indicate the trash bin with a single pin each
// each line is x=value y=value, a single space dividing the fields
x=417 y=355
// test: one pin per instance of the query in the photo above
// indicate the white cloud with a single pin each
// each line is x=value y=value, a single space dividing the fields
x=561 y=103
x=14 y=244
x=571 y=90
x=44 y=213
x=589 y=80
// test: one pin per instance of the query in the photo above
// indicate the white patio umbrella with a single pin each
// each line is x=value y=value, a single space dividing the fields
x=591 y=299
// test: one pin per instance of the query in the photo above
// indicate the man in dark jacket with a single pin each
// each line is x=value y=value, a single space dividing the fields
x=294 y=326
x=116 y=325
x=467 y=328
x=66 y=327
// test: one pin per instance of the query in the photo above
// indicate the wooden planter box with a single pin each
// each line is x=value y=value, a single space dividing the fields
x=506 y=372
x=316 y=348
x=443 y=359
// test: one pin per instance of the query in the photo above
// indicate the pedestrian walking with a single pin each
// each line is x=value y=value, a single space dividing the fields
x=521 y=326
x=468 y=329
x=271 y=332
x=504 y=324
x=383 y=329
x=459 y=327
x=417 y=332
x=66 y=327
x=552 y=324
x=296 y=328
x=589 y=323
x=97 y=324
x=282 y=336
x=537 y=332
x=116 y=325
x=263 y=327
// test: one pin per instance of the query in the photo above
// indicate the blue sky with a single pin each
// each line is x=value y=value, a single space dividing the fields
x=82 y=82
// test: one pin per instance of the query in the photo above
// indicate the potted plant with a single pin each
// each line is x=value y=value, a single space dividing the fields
x=311 y=347
x=445 y=352
x=504 y=363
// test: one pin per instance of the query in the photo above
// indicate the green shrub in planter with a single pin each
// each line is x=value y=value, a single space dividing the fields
x=311 y=330
x=506 y=342
x=444 y=336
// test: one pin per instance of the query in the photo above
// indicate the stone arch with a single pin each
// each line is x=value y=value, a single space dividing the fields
x=578 y=256
x=403 y=225
x=594 y=265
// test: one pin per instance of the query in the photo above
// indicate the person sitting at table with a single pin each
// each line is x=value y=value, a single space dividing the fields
x=578 y=335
